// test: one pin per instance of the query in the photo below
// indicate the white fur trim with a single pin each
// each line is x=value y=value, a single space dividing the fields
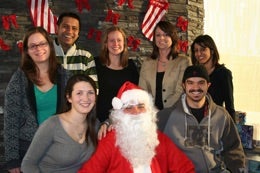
x=135 y=96
x=117 y=103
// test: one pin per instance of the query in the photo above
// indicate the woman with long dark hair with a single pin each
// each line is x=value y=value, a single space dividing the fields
x=65 y=141
x=161 y=73
x=204 y=51
x=34 y=93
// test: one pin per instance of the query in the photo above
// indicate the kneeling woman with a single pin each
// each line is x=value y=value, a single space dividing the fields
x=65 y=141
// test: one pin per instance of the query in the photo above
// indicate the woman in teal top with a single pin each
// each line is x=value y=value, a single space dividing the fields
x=65 y=141
x=45 y=100
x=39 y=71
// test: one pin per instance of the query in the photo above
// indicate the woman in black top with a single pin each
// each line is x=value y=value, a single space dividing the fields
x=204 y=51
x=113 y=69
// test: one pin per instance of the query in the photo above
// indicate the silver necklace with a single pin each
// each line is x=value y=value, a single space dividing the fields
x=163 y=63
x=80 y=134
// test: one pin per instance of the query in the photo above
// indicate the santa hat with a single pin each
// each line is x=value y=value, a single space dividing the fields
x=129 y=93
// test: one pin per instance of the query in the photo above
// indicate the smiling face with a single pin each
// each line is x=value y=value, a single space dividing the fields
x=38 y=48
x=115 y=43
x=196 y=89
x=162 y=39
x=202 y=54
x=68 y=32
x=83 y=97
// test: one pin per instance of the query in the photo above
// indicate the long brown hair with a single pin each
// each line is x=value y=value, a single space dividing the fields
x=28 y=65
x=170 y=30
x=91 y=118
x=104 y=55
x=205 y=41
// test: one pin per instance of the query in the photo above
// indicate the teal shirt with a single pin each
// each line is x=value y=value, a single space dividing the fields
x=46 y=103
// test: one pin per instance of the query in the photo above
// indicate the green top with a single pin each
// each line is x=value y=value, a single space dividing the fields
x=46 y=103
x=76 y=60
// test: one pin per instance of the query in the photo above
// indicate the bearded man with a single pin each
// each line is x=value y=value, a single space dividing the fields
x=134 y=145
x=202 y=129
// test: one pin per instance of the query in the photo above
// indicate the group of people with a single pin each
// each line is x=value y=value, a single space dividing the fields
x=68 y=111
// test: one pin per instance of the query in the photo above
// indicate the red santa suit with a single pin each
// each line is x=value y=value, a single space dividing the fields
x=108 y=158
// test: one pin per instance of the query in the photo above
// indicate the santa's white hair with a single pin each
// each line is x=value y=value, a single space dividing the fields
x=136 y=135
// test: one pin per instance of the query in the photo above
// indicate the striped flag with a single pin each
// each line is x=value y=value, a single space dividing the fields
x=155 y=12
x=42 y=15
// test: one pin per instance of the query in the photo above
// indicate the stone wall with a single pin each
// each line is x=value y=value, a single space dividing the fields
x=130 y=20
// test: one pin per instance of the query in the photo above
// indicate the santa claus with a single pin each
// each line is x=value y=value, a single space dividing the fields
x=134 y=145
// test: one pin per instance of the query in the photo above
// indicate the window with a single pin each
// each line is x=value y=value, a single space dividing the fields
x=235 y=28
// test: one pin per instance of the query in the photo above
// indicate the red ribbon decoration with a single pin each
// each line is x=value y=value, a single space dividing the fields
x=6 y=21
x=133 y=43
x=98 y=36
x=12 y=18
x=20 y=45
x=90 y=33
x=182 y=23
x=183 y=45
x=130 y=40
x=115 y=18
x=4 y=46
x=111 y=16
x=129 y=2
x=82 y=3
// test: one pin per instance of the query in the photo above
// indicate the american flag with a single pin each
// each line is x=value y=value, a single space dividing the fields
x=155 y=12
x=42 y=15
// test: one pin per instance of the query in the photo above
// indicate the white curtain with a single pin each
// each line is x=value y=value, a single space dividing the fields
x=235 y=27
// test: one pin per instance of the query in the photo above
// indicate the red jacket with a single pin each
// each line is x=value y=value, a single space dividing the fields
x=108 y=158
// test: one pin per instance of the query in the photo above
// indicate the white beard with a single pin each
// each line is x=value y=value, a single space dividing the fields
x=136 y=136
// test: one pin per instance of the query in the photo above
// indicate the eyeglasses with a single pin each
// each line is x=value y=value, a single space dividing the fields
x=40 y=45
